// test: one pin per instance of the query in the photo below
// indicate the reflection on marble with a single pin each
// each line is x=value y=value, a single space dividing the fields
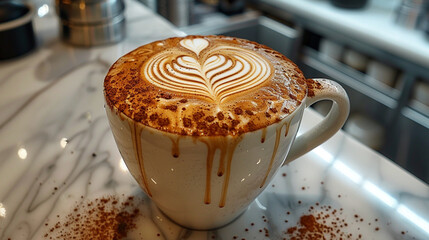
x=56 y=151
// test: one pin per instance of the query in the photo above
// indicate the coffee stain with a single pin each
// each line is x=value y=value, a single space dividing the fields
x=226 y=147
x=136 y=131
x=276 y=146
x=264 y=135
x=175 y=146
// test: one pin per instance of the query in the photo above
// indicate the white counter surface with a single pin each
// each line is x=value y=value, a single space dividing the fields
x=57 y=155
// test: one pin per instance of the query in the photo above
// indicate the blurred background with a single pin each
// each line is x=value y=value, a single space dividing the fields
x=377 y=49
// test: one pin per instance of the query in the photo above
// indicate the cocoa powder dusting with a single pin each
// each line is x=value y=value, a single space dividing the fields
x=102 y=218
x=322 y=222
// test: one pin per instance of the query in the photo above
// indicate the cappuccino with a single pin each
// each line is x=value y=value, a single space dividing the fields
x=205 y=86
x=203 y=123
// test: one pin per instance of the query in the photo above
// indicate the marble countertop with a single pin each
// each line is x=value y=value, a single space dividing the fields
x=375 y=25
x=58 y=159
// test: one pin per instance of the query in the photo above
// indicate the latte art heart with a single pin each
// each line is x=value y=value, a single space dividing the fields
x=212 y=72
x=196 y=45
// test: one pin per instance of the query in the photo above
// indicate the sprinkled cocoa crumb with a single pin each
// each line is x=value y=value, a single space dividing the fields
x=140 y=116
x=234 y=123
x=163 y=122
x=238 y=111
x=267 y=115
x=202 y=126
x=101 y=218
x=210 y=119
x=252 y=126
x=171 y=107
x=220 y=116
x=248 y=112
x=197 y=116
x=267 y=233
x=166 y=96
x=183 y=100
x=122 y=107
x=285 y=110
x=273 y=110
x=187 y=122
x=153 y=117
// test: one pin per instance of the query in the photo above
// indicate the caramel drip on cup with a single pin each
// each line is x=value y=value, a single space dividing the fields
x=226 y=147
x=276 y=146
x=175 y=146
x=136 y=130
x=264 y=135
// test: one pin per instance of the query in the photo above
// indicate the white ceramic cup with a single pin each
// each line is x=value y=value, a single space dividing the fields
x=206 y=182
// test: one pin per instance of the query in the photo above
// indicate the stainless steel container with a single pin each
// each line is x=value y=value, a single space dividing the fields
x=111 y=31
x=91 y=22
x=410 y=13
x=178 y=12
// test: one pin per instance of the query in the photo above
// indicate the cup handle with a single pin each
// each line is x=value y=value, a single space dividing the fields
x=321 y=89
